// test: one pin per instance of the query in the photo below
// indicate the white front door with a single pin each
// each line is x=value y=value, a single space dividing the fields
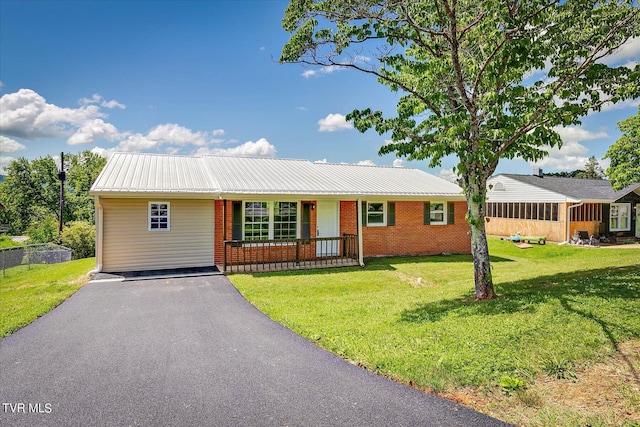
x=328 y=225
x=638 y=220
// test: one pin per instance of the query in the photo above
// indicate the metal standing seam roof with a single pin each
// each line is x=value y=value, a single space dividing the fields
x=127 y=173
x=580 y=189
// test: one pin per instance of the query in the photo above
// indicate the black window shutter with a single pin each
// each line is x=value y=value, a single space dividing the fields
x=391 y=213
x=236 y=227
x=306 y=221
x=364 y=213
x=450 y=213
x=427 y=213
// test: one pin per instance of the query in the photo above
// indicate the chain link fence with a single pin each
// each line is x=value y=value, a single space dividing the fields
x=47 y=253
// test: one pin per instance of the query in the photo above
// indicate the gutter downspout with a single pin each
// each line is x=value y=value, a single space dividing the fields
x=360 y=244
x=568 y=237
x=98 y=221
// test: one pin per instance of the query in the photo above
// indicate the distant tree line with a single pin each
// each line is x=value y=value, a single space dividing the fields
x=592 y=170
x=30 y=194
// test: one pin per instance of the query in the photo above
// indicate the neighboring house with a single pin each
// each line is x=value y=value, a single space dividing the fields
x=559 y=207
x=163 y=211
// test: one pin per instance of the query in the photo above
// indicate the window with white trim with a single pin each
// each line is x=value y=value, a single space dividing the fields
x=619 y=215
x=256 y=220
x=376 y=213
x=437 y=213
x=159 y=216
x=285 y=220
x=270 y=220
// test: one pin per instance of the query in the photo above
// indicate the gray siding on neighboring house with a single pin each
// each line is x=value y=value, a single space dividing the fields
x=128 y=245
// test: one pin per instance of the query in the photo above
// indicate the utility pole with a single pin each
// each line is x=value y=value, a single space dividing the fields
x=61 y=176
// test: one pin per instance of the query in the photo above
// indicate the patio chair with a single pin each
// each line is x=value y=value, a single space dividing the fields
x=585 y=239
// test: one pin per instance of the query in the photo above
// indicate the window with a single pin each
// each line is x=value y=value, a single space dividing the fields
x=436 y=213
x=535 y=211
x=159 y=216
x=375 y=214
x=256 y=221
x=270 y=220
x=619 y=217
x=285 y=215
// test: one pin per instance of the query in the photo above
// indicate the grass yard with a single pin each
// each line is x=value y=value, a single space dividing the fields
x=26 y=294
x=563 y=312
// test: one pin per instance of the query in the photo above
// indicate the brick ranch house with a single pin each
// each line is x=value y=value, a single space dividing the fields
x=558 y=207
x=165 y=212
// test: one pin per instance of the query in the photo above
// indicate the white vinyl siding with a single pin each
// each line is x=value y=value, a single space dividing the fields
x=505 y=189
x=129 y=246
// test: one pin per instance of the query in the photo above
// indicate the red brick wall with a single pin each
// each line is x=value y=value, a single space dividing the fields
x=410 y=236
x=251 y=254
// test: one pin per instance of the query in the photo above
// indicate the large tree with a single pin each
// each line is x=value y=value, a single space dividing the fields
x=30 y=192
x=480 y=79
x=625 y=154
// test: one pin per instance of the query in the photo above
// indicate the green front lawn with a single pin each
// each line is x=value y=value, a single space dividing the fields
x=26 y=294
x=415 y=320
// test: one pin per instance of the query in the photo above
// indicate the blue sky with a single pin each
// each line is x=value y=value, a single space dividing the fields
x=189 y=77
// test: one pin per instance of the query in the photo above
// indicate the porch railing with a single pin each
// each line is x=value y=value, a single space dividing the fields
x=289 y=254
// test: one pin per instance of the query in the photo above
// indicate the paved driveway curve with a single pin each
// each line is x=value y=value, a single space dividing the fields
x=191 y=352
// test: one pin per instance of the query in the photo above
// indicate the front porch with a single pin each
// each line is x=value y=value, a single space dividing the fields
x=246 y=256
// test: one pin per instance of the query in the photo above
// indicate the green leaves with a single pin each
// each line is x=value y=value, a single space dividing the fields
x=625 y=154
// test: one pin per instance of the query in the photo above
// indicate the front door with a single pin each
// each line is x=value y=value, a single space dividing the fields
x=328 y=225
x=638 y=220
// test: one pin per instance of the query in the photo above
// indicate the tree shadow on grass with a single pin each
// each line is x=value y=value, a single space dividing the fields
x=566 y=288
x=377 y=264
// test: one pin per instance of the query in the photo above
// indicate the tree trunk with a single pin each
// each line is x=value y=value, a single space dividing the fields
x=479 y=247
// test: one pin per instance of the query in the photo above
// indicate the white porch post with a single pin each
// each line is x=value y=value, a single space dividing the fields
x=360 y=245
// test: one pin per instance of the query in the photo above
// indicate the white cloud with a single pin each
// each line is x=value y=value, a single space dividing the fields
x=102 y=151
x=576 y=133
x=572 y=155
x=323 y=161
x=449 y=175
x=398 y=163
x=365 y=163
x=323 y=70
x=26 y=114
x=629 y=103
x=334 y=122
x=626 y=55
x=8 y=145
x=4 y=162
x=93 y=130
x=172 y=133
x=99 y=100
x=260 y=148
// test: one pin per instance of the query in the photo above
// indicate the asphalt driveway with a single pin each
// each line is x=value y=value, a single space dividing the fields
x=191 y=352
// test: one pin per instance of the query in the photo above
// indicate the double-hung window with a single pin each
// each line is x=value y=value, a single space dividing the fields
x=437 y=213
x=376 y=213
x=159 y=219
x=619 y=215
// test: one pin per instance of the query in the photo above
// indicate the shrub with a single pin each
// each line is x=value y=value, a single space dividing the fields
x=80 y=236
x=44 y=230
